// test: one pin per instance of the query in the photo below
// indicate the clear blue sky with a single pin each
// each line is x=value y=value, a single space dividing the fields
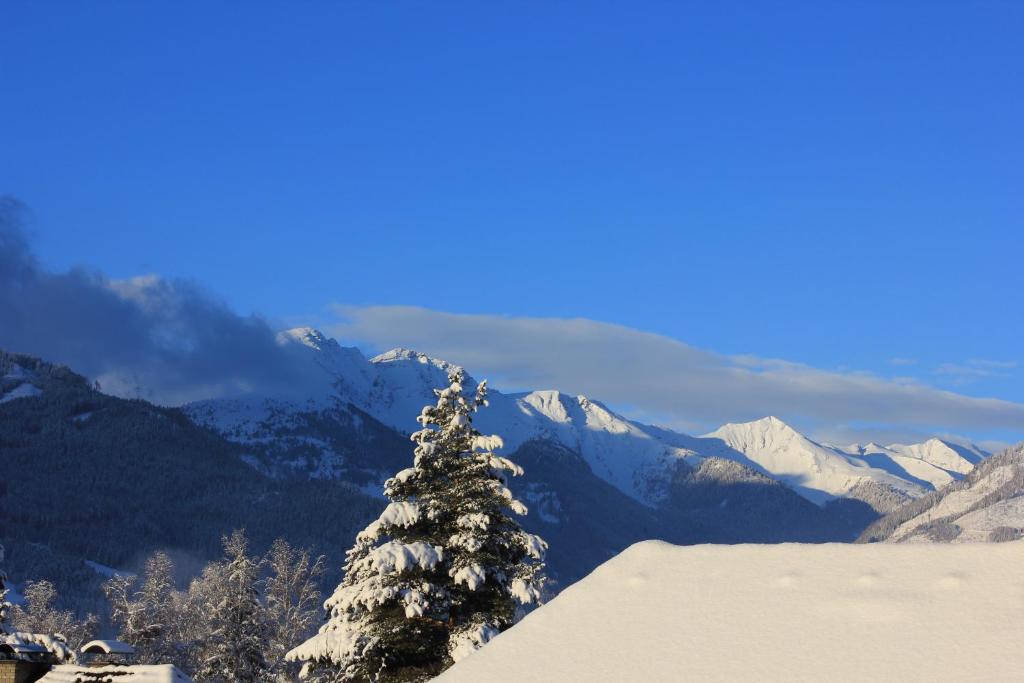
x=834 y=183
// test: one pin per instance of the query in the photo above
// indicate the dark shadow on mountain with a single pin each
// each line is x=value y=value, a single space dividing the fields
x=109 y=480
x=594 y=520
x=723 y=501
x=884 y=462
x=965 y=453
x=717 y=501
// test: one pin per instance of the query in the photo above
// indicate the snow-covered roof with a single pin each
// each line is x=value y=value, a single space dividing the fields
x=22 y=648
x=36 y=644
x=789 y=612
x=107 y=647
x=149 y=673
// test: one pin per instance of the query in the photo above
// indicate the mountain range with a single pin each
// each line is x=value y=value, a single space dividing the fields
x=637 y=459
x=104 y=479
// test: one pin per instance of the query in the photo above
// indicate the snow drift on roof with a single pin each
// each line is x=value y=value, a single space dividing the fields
x=787 y=612
x=151 y=673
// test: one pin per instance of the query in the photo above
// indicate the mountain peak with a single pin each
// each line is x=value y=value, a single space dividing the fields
x=401 y=354
x=769 y=424
x=306 y=336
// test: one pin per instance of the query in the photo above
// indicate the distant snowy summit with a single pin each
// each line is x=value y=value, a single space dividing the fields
x=821 y=472
x=987 y=505
x=639 y=460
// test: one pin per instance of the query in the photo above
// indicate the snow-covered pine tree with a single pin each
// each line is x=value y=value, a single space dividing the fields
x=234 y=652
x=444 y=567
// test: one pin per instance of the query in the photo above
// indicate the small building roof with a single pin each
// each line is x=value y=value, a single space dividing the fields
x=22 y=648
x=35 y=644
x=107 y=647
x=139 y=673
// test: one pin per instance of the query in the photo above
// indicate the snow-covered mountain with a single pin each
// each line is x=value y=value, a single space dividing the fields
x=933 y=463
x=638 y=460
x=817 y=472
x=393 y=387
x=987 y=505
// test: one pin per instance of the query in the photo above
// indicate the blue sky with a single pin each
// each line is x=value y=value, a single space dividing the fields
x=832 y=184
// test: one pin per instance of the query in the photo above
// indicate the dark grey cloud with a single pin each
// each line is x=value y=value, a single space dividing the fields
x=166 y=340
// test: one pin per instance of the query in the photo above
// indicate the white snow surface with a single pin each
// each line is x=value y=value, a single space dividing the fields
x=789 y=612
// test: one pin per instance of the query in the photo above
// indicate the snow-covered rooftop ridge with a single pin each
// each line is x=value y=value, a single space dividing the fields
x=787 y=612
x=137 y=673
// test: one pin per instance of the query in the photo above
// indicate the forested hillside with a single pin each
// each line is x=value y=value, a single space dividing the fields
x=105 y=479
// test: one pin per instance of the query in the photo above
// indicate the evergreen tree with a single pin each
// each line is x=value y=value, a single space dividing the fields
x=234 y=652
x=444 y=567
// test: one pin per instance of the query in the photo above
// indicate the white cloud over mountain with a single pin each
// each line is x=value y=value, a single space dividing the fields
x=172 y=341
x=659 y=376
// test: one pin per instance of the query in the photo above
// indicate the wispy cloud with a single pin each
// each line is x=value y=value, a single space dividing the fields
x=902 y=361
x=974 y=369
x=662 y=376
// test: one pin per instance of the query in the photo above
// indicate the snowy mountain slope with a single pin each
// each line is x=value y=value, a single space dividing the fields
x=639 y=460
x=933 y=463
x=324 y=439
x=988 y=504
x=817 y=472
x=619 y=451
x=793 y=613
x=949 y=456
x=394 y=386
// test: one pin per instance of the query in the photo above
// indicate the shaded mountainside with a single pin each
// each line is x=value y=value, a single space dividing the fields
x=987 y=505
x=313 y=440
x=94 y=477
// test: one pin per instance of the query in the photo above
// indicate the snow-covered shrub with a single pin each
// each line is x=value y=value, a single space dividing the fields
x=40 y=615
